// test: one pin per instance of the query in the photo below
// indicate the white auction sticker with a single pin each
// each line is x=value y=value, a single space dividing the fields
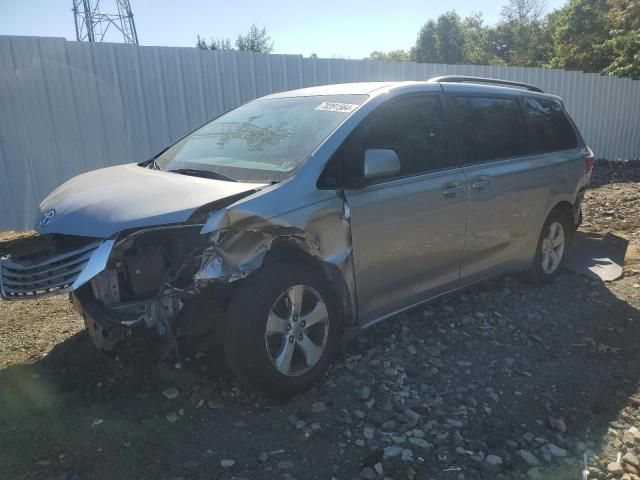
x=336 y=107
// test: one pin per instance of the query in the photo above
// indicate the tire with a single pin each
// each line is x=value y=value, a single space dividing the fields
x=548 y=259
x=579 y=221
x=264 y=299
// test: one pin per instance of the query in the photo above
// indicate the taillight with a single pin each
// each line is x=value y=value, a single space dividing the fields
x=590 y=159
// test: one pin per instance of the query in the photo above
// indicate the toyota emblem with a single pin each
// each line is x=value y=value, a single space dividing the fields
x=47 y=217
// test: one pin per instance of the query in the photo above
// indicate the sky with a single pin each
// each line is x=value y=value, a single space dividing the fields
x=328 y=28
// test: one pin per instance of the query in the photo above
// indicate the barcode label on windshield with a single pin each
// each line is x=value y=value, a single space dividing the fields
x=336 y=107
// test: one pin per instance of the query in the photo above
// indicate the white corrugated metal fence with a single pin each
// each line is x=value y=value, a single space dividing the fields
x=69 y=107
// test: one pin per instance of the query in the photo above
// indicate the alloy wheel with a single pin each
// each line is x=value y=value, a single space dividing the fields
x=553 y=246
x=297 y=330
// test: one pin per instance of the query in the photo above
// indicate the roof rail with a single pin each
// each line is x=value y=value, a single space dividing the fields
x=490 y=81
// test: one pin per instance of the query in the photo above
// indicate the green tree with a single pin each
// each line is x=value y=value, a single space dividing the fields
x=450 y=38
x=624 y=15
x=624 y=45
x=579 y=29
x=392 y=56
x=523 y=11
x=256 y=40
x=625 y=52
x=426 y=48
x=220 y=44
x=441 y=41
x=476 y=41
x=521 y=37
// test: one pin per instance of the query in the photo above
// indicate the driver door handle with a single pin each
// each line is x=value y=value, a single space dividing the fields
x=480 y=183
x=452 y=190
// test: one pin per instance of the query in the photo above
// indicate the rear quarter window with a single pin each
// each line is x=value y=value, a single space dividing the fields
x=550 y=128
x=488 y=128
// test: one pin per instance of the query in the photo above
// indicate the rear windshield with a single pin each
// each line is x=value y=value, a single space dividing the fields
x=263 y=140
x=549 y=125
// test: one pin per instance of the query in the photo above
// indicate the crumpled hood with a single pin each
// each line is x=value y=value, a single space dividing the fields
x=103 y=202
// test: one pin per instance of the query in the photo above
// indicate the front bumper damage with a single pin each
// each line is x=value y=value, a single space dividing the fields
x=175 y=280
x=105 y=328
x=31 y=273
x=137 y=279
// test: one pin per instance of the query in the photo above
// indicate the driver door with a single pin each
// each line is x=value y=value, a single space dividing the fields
x=408 y=231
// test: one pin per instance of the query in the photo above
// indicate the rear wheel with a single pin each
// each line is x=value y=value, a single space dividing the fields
x=552 y=247
x=283 y=329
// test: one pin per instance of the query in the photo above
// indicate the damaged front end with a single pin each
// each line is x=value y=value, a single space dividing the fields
x=175 y=281
x=147 y=285
x=51 y=264
x=140 y=281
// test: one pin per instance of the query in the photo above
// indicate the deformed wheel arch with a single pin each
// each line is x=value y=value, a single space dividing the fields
x=282 y=250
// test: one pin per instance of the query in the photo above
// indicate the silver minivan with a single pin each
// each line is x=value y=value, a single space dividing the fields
x=299 y=218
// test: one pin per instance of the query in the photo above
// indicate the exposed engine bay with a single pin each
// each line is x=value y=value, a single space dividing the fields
x=147 y=283
x=149 y=286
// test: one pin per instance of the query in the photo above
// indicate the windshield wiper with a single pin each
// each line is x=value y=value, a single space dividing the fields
x=203 y=173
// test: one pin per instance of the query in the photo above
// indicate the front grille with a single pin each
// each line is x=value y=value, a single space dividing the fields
x=24 y=277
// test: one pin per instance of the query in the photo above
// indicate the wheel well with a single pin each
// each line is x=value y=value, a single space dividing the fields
x=566 y=209
x=285 y=250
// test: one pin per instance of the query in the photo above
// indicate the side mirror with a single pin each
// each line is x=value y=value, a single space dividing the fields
x=380 y=163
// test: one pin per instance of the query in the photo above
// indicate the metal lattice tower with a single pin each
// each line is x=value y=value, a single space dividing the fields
x=92 y=25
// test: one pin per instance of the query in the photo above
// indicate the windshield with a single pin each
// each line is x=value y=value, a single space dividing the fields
x=263 y=140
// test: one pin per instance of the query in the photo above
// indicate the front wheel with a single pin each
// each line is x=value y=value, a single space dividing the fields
x=283 y=329
x=551 y=249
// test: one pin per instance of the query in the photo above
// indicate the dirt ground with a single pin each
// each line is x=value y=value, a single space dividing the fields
x=505 y=380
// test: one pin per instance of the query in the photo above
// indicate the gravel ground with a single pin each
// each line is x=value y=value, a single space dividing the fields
x=505 y=380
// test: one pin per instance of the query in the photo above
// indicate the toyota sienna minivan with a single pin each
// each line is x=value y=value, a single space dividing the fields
x=302 y=217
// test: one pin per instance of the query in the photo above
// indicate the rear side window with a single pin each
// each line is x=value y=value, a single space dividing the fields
x=488 y=128
x=550 y=127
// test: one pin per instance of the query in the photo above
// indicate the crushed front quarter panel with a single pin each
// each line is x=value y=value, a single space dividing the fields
x=242 y=235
